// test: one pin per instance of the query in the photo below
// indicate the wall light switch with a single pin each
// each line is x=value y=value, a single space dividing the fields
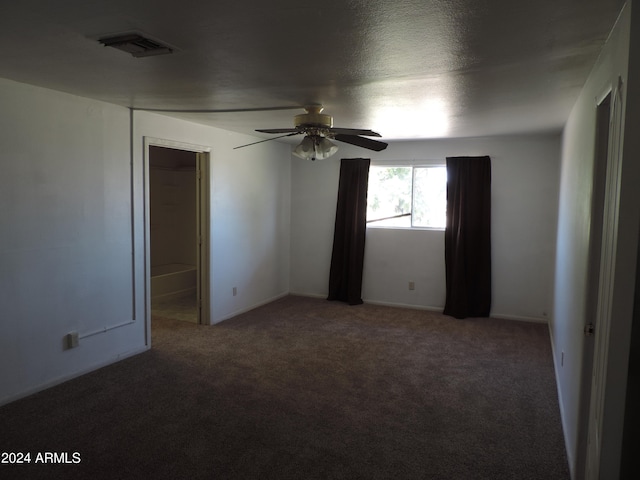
x=412 y=286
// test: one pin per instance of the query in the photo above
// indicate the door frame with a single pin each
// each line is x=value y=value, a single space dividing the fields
x=203 y=212
x=605 y=292
x=203 y=209
x=603 y=106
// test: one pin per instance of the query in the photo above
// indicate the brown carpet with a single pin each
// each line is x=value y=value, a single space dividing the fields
x=303 y=388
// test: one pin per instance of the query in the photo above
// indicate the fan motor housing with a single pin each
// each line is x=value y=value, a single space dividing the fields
x=313 y=118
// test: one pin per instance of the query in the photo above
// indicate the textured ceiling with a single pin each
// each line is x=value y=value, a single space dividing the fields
x=405 y=68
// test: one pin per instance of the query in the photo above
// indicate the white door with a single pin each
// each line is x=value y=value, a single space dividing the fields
x=603 y=119
x=601 y=328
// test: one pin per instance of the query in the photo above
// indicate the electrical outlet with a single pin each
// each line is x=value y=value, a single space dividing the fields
x=71 y=340
x=412 y=286
x=235 y=291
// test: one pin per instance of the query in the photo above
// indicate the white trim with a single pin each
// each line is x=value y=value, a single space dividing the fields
x=161 y=142
x=203 y=212
x=520 y=318
x=606 y=91
x=606 y=285
x=149 y=141
x=403 y=305
x=499 y=316
x=247 y=309
x=563 y=413
x=71 y=376
x=309 y=295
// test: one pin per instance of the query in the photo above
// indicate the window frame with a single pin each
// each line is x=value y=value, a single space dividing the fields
x=413 y=164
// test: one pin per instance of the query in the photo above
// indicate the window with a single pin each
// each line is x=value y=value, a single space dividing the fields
x=407 y=196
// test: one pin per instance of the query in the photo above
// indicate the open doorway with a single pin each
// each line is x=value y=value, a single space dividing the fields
x=177 y=225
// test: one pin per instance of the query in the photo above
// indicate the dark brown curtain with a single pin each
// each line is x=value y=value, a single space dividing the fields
x=467 y=238
x=345 y=276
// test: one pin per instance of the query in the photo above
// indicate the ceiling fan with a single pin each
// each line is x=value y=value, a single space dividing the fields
x=318 y=129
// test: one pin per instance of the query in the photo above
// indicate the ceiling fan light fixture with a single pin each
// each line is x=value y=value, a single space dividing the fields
x=314 y=147
x=318 y=129
x=305 y=148
x=326 y=148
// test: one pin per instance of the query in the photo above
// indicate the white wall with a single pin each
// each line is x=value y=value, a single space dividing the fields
x=250 y=211
x=172 y=216
x=573 y=249
x=173 y=223
x=525 y=176
x=72 y=214
x=65 y=238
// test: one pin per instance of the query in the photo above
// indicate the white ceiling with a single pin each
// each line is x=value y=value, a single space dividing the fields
x=404 y=68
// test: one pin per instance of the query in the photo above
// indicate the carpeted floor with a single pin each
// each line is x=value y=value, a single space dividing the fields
x=303 y=388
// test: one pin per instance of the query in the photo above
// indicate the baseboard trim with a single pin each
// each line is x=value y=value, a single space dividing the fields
x=248 y=309
x=403 y=305
x=519 y=318
x=570 y=457
x=65 y=378
x=310 y=295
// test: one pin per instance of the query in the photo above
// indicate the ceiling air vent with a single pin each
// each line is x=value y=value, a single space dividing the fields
x=136 y=45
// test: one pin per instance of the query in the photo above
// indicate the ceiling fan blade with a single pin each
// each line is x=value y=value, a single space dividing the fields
x=354 y=131
x=361 y=142
x=279 y=130
x=267 y=140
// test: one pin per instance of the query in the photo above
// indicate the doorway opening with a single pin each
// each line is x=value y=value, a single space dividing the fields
x=177 y=226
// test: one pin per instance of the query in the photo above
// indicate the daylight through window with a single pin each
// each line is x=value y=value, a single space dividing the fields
x=407 y=197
